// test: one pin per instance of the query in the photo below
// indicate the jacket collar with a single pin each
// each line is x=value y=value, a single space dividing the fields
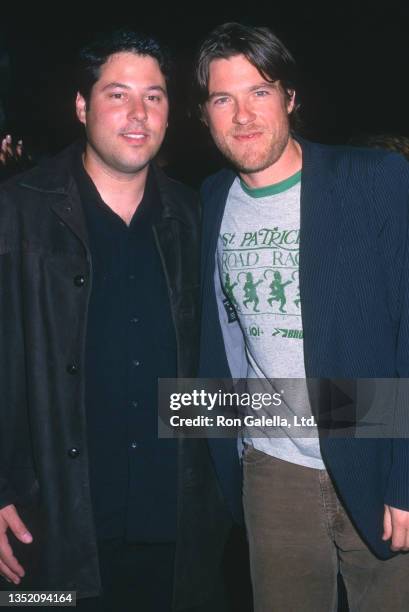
x=170 y=196
x=55 y=176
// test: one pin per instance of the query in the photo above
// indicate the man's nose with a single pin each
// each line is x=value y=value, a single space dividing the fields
x=243 y=113
x=137 y=110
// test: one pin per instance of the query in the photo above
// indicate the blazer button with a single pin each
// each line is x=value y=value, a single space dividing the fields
x=73 y=453
x=72 y=368
x=79 y=280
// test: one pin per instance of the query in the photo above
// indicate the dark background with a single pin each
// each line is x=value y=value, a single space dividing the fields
x=353 y=62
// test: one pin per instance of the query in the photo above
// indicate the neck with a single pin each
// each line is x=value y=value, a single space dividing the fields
x=288 y=164
x=120 y=191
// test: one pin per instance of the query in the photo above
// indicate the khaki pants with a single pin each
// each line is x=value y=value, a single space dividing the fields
x=300 y=536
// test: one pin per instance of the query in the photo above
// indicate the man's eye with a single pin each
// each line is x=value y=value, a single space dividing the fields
x=221 y=101
x=154 y=98
x=260 y=93
x=117 y=95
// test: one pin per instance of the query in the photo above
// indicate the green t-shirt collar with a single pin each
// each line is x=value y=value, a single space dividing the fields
x=262 y=192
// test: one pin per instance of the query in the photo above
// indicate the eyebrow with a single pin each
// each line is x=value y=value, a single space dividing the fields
x=218 y=94
x=157 y=88
x=116 y=84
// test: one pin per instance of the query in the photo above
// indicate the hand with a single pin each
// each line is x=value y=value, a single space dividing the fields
x=10 y=568
x=10 y=153
x=396 y=526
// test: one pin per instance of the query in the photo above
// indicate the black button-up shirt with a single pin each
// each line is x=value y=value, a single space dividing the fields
x=130 y=342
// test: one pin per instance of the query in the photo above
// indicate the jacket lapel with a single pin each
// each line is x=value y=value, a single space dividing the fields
x=167 y=233
x=321 y=211
x=215 y=205
x=69 y=209
x=54 y=177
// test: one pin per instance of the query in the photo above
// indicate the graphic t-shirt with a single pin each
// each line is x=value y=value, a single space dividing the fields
x=258 y=260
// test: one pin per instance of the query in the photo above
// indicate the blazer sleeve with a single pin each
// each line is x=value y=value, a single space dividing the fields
x=393 y=181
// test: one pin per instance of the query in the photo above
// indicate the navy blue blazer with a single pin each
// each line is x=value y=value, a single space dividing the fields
x=354 y=280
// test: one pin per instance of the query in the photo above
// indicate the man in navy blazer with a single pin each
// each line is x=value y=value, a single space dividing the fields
x=305 y=275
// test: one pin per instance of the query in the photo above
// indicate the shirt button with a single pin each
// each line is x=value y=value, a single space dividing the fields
x=79 y=280
x=72 y=368
x=134 y=404
x=134 y=320
x=136 y=363
x=73 y=453
x=134 y=445
x=132 y=277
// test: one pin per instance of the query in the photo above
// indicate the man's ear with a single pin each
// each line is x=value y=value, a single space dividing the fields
x=81 y=108
x=291 y=101
x=203 y=114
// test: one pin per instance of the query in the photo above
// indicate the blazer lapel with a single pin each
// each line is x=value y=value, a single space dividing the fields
x=211 y=225
x=321 y=212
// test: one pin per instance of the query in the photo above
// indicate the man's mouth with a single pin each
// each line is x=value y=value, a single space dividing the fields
x=247 y=137
x=135 y=137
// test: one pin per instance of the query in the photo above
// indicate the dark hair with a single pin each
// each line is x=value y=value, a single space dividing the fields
x=95 y=54
x=259 y=45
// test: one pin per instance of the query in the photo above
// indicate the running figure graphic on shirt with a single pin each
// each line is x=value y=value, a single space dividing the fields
x=250 y=293
x=228 y=287
x=277 y=293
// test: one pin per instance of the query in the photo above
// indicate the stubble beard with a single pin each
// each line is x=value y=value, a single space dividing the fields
x=252 y=161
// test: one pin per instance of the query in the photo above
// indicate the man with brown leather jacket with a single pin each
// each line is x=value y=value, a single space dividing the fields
x=98 y=298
